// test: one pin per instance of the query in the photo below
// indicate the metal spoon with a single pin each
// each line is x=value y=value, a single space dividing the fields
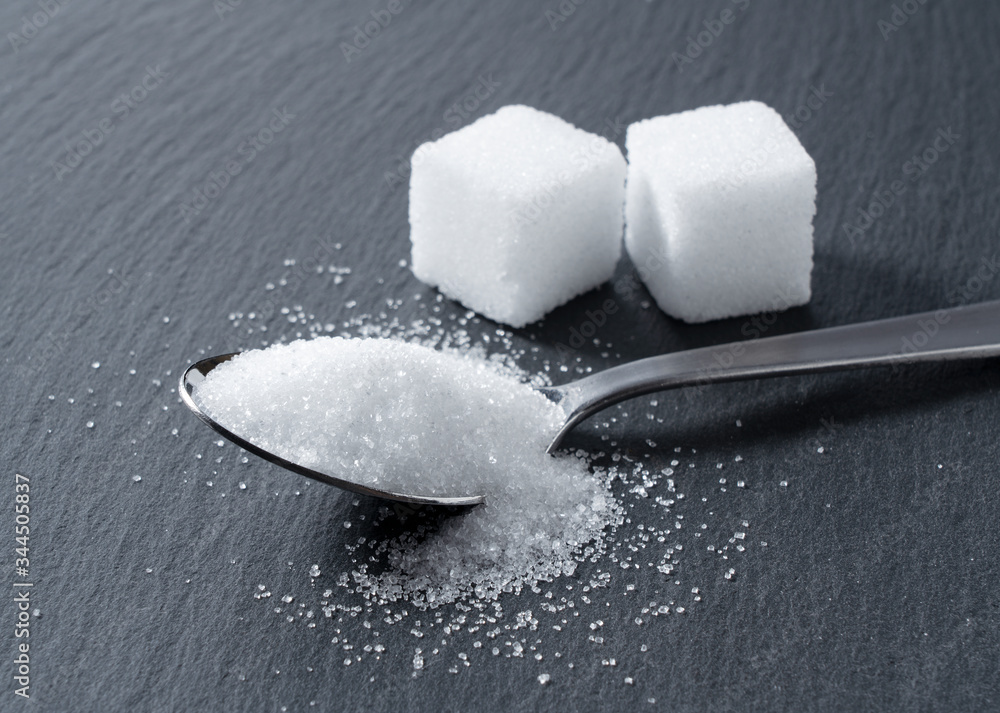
x=970 y=332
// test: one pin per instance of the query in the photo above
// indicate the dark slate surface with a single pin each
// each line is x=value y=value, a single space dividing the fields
x=878 y=588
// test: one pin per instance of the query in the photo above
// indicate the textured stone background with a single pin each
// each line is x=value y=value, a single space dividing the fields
x=878 y=590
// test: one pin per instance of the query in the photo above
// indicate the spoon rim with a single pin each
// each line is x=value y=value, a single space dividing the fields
x=206 y=365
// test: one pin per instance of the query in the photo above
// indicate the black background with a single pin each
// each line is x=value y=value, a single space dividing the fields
x=878 y=587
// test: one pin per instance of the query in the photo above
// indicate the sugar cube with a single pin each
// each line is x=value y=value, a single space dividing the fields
x=516 y=213
x=719 y=209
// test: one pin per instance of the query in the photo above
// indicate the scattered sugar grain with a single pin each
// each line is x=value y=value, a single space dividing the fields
x=349 y=602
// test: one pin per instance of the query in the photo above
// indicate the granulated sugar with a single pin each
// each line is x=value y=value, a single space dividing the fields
x=372 y=582
x=410 y=419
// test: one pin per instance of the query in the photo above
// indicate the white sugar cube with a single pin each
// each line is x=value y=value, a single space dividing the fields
x=516 y=213
x=719 y=209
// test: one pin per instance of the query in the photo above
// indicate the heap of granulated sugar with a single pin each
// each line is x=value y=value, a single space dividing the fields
x=407 y=418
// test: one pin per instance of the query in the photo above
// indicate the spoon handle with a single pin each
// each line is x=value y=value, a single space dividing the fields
x=968 y=332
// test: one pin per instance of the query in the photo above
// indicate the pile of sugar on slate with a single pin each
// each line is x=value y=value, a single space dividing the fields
x=409 y=419
x=679 y=528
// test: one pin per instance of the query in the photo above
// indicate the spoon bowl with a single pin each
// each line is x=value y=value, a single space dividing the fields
x=197 y=372
x=968 y=332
